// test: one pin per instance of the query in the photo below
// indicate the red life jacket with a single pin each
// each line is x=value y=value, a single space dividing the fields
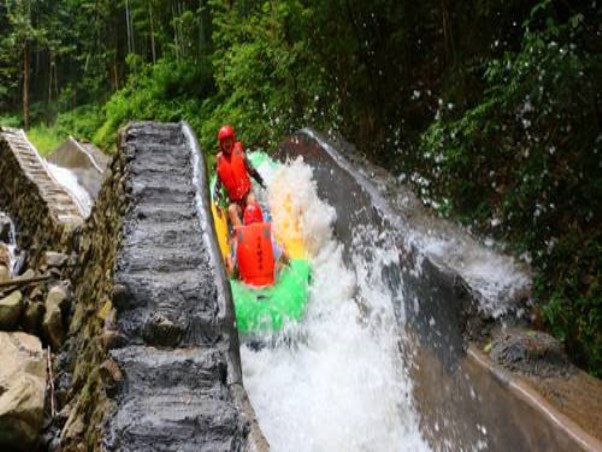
x=233 y=173
x=255 y=255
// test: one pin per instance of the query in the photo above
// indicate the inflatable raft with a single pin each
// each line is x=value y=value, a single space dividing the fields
x=270 y=308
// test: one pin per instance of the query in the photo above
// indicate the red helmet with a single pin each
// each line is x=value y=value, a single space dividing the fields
x=252 y=214
x=226 y=131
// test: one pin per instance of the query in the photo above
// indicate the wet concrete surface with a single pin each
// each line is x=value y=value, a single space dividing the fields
x=461 y=404
x=85 y=161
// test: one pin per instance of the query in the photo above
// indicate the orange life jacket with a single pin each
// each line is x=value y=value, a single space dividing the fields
x=255 y=255
x=233 y=173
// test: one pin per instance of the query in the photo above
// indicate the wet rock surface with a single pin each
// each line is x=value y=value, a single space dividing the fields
x=177 y=400
x=530 y=352
x=22 y=390
x=152 y=339
x=176 y=397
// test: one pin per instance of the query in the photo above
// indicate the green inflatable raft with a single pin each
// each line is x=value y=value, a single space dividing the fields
x=267 y=309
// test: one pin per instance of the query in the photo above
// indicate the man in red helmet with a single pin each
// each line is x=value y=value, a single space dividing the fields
x=233 y=170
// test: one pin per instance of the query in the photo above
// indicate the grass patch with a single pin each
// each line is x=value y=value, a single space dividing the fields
x=45 y=139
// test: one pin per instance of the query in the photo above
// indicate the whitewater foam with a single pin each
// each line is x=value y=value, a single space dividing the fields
x=340 y=384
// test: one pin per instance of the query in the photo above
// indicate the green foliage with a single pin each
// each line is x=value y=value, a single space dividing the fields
x=166 y=91
x=81 y=122
x=10 y=121
x=269 y=82
x=44 y=138
x=524 y=164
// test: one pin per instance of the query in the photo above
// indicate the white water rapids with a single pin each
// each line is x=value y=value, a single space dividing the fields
x=340 y=383
x=68 y=180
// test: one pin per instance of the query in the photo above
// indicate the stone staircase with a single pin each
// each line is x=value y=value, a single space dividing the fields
x=182 y=386
x=60 y=203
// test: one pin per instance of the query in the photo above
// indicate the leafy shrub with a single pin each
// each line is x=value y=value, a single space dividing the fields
x=525 y=164
x=166 y=91
x=81 y=122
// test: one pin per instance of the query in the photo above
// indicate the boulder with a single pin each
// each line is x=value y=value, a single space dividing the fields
x=530 y=352
x=60 y=295
x=22 y=391
x=4 y=255
x=29 y=273
x=5 y=227
x=52 y=325
x=32 y=319
x=37 y=293
x=4 y=273
x=11 y=308
x=54 y=259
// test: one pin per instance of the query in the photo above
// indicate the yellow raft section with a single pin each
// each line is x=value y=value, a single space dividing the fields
x=221 y=230
x=286 y=226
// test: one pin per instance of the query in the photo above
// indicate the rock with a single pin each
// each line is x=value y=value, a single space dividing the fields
x=121 y=297
x=4 y=255
x=32 y=319
x=4 y=228
x=74 y=427
x=54 y=259
x=37 y=293
x=11 y=308
x=4 y=273
x=111 y=376
x=60 y=295
x=161 y=331
x=29 y=273
x=52 y=325
x=22 y=390
x=531 y=352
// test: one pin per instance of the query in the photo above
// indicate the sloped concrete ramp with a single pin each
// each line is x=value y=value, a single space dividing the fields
x=84 y=160
x=464 y=402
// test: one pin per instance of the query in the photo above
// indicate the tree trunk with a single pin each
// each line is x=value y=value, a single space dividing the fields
x=175 y=36
x=127 y=24
x=448 y=38
x=26 y=87
x=50 y=74
x=152 y=31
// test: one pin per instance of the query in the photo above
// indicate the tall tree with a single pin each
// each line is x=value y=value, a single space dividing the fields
x=21 y=37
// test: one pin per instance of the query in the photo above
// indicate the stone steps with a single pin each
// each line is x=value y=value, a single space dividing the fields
x=59 y=201
x=189 y=385
x=178 y=396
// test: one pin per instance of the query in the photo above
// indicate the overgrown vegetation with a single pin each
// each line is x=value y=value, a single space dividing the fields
x=492 y=108
x=525 y=164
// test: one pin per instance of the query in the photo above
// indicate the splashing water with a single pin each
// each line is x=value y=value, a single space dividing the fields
x=340 y=383
x=11 y=245
x=68 y=180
